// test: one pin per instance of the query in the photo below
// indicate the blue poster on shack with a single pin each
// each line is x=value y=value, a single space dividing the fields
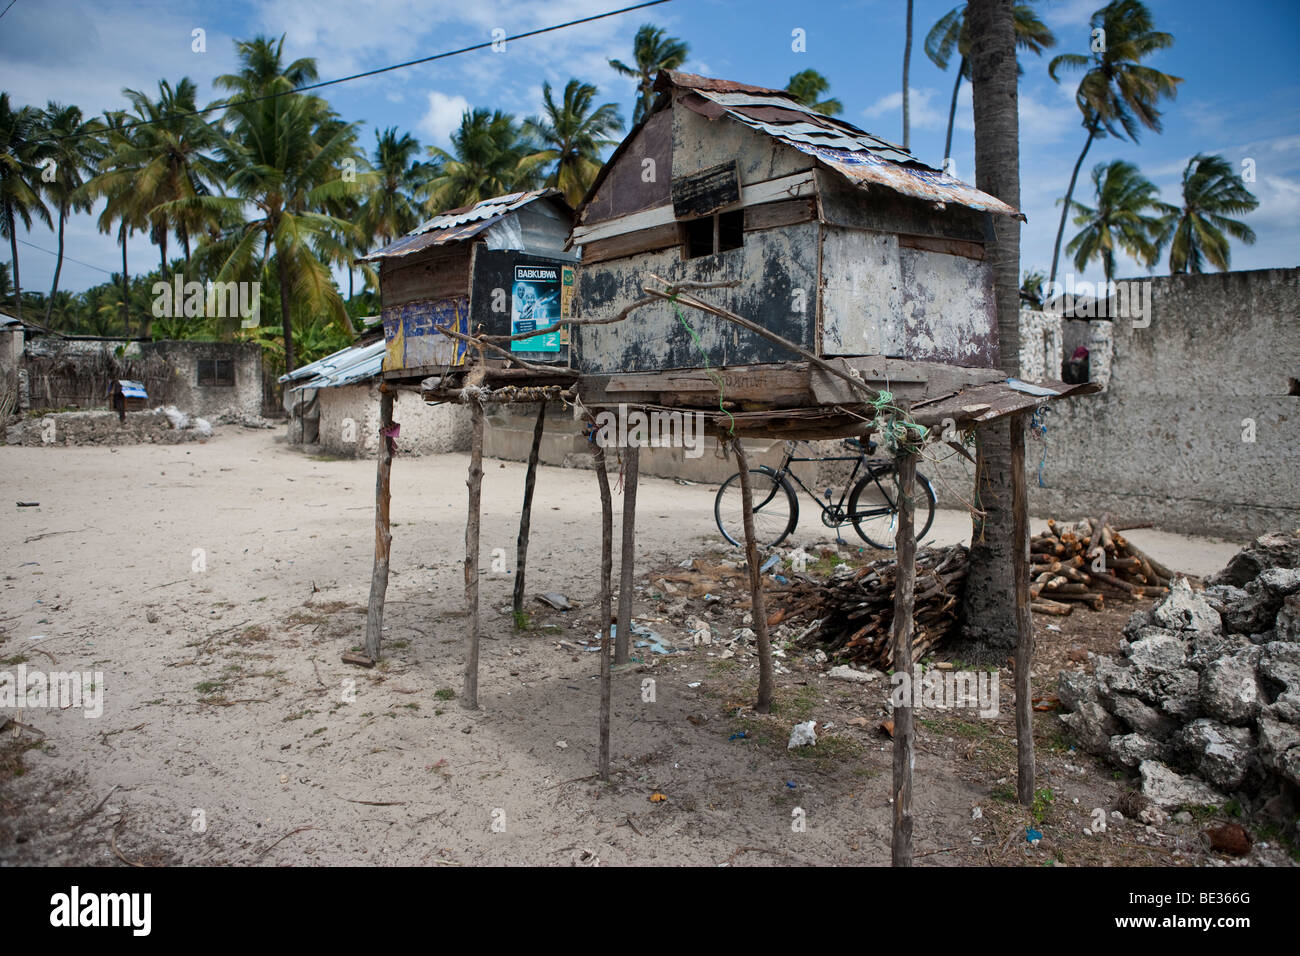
x=412 y=337
x=540 y=296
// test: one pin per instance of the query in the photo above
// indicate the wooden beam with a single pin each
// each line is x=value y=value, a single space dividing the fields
x=951 y=247
x=904 y=728
x=752 y=194
x=606 y=574
x=627 y=559
x=383 y=534
x=1024 y=656
x=757 y=602
x=526 y=513
x=469 y=696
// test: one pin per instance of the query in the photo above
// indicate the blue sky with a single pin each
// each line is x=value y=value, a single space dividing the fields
x=1240 y=98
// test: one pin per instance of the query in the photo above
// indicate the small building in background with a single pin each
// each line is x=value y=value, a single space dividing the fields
x=334 y=405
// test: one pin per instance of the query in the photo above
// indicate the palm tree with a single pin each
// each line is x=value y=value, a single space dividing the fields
x=989 y=625
x=1120 y=219
x=573 y=133
x=281 y=164
x=490 y=156
x=170 y=159
x=263 y=70
x=808 y=86
x=652 y=51
x=21 y=154
x=75 y=147
x=123 y=205
x=907 y=67
x=1212 y=192
x=1117 y=95
x=389 y=209
x=949 y=35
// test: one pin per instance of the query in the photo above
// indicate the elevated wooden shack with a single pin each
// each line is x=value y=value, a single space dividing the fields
x=787 y=274
x=836 y=242
x=498 y=268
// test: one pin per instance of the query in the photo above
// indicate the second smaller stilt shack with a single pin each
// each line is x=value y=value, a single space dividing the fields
x=469 y=301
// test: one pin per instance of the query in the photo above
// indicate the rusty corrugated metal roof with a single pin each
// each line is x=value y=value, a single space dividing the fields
x=458 y=224
x=693 y=81
x=856 y=155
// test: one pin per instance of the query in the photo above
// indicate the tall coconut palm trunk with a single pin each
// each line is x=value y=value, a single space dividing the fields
x=58 y=265
x=1069 y=195
x=989 y=612
x=952 y=110
x=126 y=285
x=13 y=254
x=907 y=71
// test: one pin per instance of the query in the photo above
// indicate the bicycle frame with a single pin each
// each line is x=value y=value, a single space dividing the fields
x=834 y=511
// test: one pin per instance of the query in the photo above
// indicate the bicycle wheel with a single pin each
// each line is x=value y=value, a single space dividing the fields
x=873 y=507
x=776 y=509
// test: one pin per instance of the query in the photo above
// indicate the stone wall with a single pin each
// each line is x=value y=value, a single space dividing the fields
x=100 y=428
x=1194 y=429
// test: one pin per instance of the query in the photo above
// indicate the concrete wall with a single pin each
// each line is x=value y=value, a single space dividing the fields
x=426 y=429
x=209 y=401
x=1165 y=441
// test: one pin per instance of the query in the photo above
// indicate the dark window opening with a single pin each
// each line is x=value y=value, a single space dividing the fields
x=217 y=372
x=712 y=234
x=731 y=230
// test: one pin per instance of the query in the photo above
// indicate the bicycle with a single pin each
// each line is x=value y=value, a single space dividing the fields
x=872 y=502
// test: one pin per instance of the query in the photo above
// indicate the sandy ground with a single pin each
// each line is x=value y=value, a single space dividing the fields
x=233 y=733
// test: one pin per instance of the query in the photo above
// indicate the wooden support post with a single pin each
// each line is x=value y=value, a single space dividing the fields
x=383 y=536
x=469 y=696
x=627 y=559
x=1024 y=616
x=757 y=603
x=526 y=513
x=606 y=599
x=904 y=728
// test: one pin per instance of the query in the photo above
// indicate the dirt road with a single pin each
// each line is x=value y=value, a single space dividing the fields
x=215 y=585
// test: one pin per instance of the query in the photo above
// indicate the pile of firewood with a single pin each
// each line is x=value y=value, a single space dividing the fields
x=1078 y=563
x=856 y=610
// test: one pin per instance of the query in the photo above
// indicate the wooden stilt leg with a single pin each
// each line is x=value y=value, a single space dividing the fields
x=757 y=603
x=525 y=514
x=469 y=696
x=606 y=599
x=1024 y=617
x=627 y=560
x=383 y=535
x=904 y=728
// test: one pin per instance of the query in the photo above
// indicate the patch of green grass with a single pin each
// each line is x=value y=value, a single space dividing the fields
x=412 y=706
x=795 y=703
x=1043 y=800
x=522 y=620
x=445 y=694
x=15 y=660
x=1004 y=792
x=207 y=688
x=1201 y=812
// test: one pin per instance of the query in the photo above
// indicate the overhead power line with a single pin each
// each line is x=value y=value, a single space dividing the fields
x=66 y=258
x=358 y=76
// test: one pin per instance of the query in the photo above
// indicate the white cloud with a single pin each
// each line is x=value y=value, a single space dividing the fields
x=443 y=116
x=922 y=113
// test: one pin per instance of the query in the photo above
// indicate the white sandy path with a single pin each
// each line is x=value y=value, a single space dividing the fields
x=272 y=524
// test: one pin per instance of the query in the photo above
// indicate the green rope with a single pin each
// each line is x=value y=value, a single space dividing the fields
x=731 y=431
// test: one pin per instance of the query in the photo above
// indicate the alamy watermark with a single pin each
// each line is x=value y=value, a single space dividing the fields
x=1126 y=299
x=62 y=689
x=942 y=689
x=657 y=429
x=198 y=300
